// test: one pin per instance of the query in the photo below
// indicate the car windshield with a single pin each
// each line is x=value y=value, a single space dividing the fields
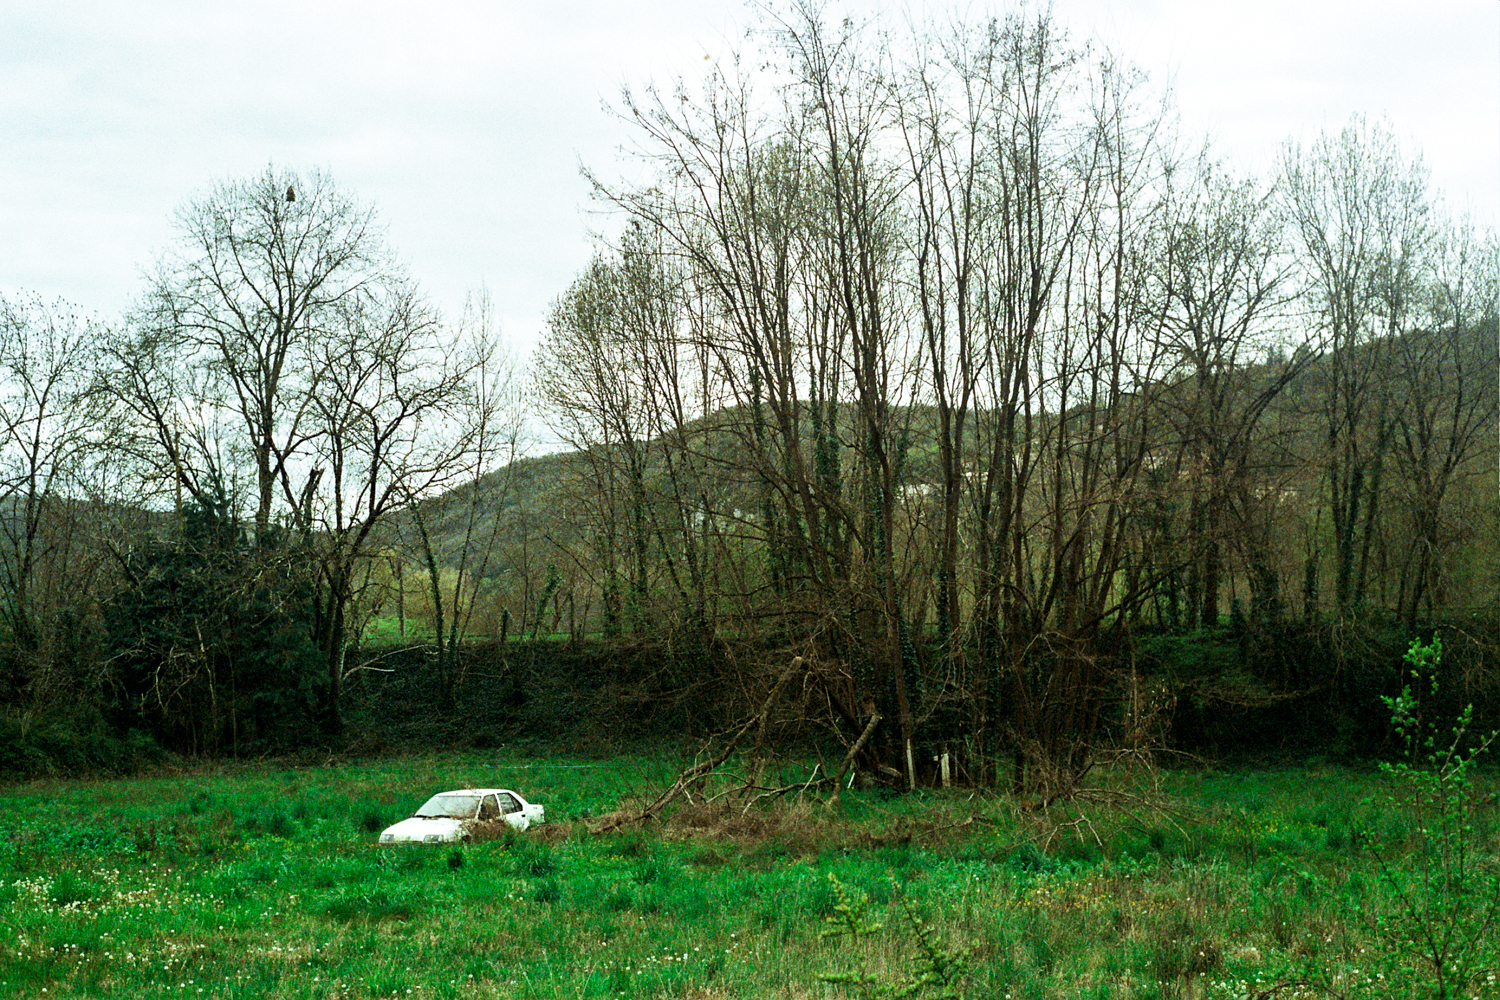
x=455 y=806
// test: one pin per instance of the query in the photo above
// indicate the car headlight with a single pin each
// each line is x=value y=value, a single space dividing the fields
x=387 y=838
x=433 y=838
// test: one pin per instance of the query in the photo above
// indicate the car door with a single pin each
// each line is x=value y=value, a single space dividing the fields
x=514 y=815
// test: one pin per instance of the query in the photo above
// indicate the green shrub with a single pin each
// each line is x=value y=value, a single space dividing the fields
x=1445 y=926
x=1027 y=860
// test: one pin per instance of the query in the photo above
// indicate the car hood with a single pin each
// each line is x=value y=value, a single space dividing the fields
x=417 y=830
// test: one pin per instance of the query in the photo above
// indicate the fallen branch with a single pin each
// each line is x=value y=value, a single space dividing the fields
x=859 y=744
x=910 y=835
x=767 y=793
x=686 y=778
x=703 y=769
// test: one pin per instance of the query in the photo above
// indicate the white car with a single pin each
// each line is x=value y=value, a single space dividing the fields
x=460 y=814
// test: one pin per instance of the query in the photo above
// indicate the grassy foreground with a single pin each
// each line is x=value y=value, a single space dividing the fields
x=254 y=883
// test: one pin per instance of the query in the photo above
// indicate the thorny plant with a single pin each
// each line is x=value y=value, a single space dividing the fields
x=935 y=966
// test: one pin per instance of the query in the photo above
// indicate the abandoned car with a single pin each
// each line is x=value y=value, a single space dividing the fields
x=460 y=814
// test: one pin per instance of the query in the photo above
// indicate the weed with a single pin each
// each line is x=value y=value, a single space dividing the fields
x=1181 y=955
x=1026 y=860
x=538 y=862
x=371 y=820
x=851 y=919
x=70 y=890
x=631 y=844
x=936 y=967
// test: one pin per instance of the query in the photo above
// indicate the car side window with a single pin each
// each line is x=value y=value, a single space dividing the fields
x=488 y=809
x=509 y=804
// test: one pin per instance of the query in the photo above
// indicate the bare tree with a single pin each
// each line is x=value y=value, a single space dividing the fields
x=52 y=433
x=965 y=240
x=470 y=513
x=1445 y=367
x=591 y=374
x=281 y=356
x=1360 y=214
x=401 y=414
x=1218 y=278
x=249 y=293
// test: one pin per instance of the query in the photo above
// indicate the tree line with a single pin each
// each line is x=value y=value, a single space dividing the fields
x=935 y=357
x=940 y=358
x=196 y=497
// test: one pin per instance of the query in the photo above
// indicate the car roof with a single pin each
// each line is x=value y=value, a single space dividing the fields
x=476 y=791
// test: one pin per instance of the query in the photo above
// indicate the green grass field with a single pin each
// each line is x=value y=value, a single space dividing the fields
x=250 y=882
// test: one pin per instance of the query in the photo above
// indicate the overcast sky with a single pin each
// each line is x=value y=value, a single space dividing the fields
x=464 y=123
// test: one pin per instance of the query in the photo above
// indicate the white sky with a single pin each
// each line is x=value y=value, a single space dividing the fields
x=464 y=121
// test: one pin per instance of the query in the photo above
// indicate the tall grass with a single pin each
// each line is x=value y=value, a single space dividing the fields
x=250 y=882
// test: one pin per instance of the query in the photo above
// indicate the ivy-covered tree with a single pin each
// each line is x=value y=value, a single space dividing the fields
x=210 y=642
